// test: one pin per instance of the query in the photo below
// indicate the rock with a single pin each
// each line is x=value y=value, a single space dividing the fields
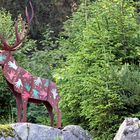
x=77 y=132
x=129 y=130
x=29 y=131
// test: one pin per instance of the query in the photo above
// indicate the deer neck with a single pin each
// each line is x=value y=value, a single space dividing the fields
x=8 y=61
x=10 y=68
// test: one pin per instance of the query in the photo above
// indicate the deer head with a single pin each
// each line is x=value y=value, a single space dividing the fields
x=20 y=36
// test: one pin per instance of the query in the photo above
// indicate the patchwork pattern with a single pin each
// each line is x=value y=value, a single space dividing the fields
x=30 y=86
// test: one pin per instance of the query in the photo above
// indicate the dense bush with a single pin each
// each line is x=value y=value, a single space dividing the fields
x=98 y=40
x=129 y=79
x=5 y=98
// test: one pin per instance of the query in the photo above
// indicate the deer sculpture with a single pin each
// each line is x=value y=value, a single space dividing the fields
x=26 y=87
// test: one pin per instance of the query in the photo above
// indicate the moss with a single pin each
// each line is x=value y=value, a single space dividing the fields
x=6 y=130
x=57 y=137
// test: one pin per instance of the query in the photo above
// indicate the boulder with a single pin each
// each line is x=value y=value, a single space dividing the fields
x=29 y=131
x=129 y=130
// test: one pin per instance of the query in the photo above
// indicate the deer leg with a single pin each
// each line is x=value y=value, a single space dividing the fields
x=58 y=115
x=50 y=111
x=24 y=105
x=19 y=108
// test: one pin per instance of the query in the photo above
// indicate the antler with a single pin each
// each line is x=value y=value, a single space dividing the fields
x=20 y=36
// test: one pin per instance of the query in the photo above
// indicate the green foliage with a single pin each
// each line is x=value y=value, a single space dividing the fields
x=129 y=79
x=6 y=23
x=6 y=30
x=38 y=114
x=98 y=40
x=6 y=131
x=57 y=137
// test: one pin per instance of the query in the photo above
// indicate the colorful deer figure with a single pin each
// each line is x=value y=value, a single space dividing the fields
x=25 y=87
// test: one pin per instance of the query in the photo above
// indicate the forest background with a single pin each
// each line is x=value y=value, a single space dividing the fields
x=91 y=49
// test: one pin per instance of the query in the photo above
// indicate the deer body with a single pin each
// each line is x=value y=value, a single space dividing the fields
x=24 y=86
x=29 y=86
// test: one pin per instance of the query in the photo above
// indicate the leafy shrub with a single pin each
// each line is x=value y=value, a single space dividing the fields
x=5 y=98
x=129 y=79
x=98 y=40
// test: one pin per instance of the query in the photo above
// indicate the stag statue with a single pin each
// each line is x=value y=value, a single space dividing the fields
x=26 y=87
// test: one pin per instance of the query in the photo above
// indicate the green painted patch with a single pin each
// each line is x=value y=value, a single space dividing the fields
x=2 y=57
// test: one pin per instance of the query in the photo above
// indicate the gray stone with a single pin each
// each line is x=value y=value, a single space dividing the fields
x=78 y=132
x=29 y=131
x=129 y=130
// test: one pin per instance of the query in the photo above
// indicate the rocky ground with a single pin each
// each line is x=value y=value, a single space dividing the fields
x=29 y=131
x=129 y=130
